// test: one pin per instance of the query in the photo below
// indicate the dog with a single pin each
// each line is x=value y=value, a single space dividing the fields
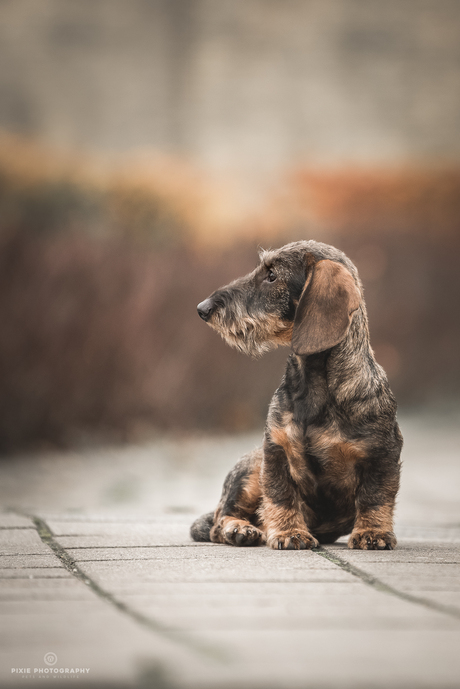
x=330 y=461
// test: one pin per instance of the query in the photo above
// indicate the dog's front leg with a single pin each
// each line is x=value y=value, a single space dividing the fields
x=375 y=502
x=283 y=511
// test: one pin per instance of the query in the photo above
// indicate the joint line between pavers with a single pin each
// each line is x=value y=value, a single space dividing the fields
x=121 y=547
x=379 y=585
x=46 y=535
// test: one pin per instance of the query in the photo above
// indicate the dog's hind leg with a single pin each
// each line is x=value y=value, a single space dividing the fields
x=235 y=520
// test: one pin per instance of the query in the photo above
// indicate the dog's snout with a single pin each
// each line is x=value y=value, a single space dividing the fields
x=205 y=309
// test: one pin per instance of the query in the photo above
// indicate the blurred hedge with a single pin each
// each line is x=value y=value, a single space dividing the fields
x=100 y=274
x=101 y=270
x=402 y=229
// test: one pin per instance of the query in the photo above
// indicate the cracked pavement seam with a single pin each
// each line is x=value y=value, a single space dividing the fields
x=46 y=535
x=375 y=583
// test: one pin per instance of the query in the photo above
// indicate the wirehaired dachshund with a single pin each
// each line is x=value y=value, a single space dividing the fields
x=330 y=460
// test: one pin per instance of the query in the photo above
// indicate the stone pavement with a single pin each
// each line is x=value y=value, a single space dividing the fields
x=100 y=583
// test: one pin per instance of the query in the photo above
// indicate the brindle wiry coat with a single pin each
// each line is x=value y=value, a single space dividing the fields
x=330 y=461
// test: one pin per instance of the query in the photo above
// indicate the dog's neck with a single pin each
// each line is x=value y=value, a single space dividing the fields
x=337 y=374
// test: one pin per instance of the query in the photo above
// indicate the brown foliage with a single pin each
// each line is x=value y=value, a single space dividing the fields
x=100 y=275
x=103 y=337
x=402 y=229
x=410 y=200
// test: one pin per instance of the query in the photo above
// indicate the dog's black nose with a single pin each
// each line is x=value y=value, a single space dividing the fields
x=205 y=309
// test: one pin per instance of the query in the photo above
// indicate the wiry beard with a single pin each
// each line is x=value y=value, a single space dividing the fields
x=251 y=335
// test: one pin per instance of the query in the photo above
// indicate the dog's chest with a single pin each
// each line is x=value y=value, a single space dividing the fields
x=331 y=460
x=317 y=454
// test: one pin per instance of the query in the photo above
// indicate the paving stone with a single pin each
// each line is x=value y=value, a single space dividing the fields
x=218 y=564
x=316 y=606
x=206 y=616
x=406 y=551
x=113 y=647
x=448 y=597
x=29 y=560
x=34 y=573
x=42 y=590
x=9 y=520
x=349 y=660
x=436 y=535
x=111 y=525
x=112 y=553
x=47 y=606
x=124 y=537
x=414 y=569
x=21 y=541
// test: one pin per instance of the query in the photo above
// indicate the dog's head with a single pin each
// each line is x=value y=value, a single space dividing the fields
x=304 y=294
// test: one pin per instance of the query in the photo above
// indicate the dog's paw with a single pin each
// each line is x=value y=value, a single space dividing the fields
x=242 y=534
x=298 y=540
x=368 y=539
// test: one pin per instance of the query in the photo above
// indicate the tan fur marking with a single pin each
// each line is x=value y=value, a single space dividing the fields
x=224 y=523
x=226 y=528
x=331 y=444
x=284 y=334
x=231 y=522
x=347 y=453
x=342 y=464
x=252 y=335
x=277 y=519
x=373 y=529
x=282 y=524
x=380 y=518
x=288 y=437
x=321 y=440
x=252 y=492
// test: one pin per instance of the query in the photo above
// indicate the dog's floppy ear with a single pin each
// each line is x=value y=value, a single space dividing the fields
x=325 y=308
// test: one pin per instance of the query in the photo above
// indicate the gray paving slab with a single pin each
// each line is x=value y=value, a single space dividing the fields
x=338 y=659
x=415 y=568
x=25 y=590
x=10 y=520
x=34 y=573
x=320 y=608
x=114 y=554
x=49 y=608
x=223 y=563
x=21 y=541
x=35 y=561
x=133 y=537
x=409 y=551
x=114 y=648
x=114 y=583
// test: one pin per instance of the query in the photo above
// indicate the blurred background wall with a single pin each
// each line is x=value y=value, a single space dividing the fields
x=148 y=147
x=237 y=83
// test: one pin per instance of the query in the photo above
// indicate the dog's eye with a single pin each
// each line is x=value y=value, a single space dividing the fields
x=271 y=277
